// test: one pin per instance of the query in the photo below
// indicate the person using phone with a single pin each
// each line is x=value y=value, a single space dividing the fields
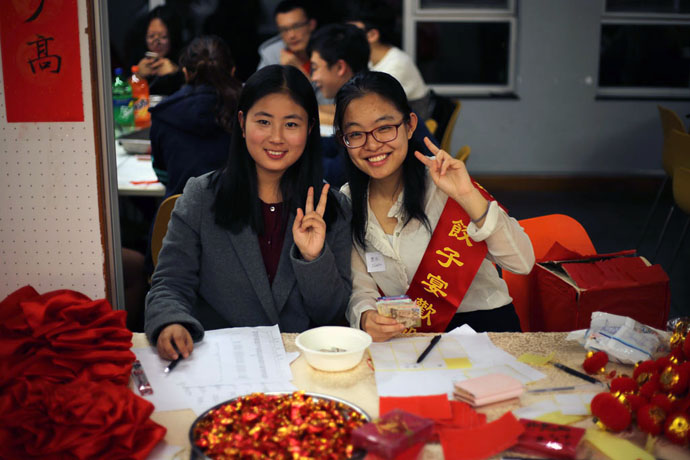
x=158 y=66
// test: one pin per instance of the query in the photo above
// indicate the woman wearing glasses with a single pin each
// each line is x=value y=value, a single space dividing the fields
x=420 y=225
x=163 y=42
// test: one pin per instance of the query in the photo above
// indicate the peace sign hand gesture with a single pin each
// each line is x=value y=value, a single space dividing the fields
x=309 y=229
x=448 y=173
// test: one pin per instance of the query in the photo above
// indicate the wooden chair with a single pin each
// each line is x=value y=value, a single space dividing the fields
x=463 y=154
x=670 y=122
x=544 y=231
x=160 y=226
x=676 y=156
x=681 y=198
x=444 y=114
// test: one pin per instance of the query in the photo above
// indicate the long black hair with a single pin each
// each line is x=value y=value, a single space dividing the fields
x=208 y=61
x=172 y=22
x=413 y=171
x=237 y=203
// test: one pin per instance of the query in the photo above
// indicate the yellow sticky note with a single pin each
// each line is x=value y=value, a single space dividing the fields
x=616 y=448
x=536 y=360
x=458 y=363
x=559 y=418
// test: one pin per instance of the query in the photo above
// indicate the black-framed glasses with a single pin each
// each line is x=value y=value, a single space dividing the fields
x=299 y=25
x=383 y=134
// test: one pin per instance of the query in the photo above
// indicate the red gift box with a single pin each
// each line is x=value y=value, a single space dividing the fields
x=568 y=291
x=393 y=433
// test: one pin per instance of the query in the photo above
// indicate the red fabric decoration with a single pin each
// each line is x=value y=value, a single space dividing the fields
x=624 y=385
x=686 y=347
x=411 y=453
x=65 y=361
x=636 y=401
x=677 y=428
x=681 y=405
x=612 y=413
x=61 y=336
x=651 y=418
x=649 y=388
x=76 y=420
x=482 y=441
x=435 y=407
x=595 y=362
x=662 y=362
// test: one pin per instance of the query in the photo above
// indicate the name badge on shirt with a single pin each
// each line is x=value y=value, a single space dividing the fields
x=375 y=262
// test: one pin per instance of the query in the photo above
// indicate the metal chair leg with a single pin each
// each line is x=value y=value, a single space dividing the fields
x=663 y=231
x=680 y=243
x=651 y=211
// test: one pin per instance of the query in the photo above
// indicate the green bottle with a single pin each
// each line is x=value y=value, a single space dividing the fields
x=123 y=105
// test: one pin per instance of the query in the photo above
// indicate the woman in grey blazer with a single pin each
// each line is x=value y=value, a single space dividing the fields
x=262 y=241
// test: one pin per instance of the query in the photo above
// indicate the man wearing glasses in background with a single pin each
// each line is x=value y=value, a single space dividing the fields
x=295 y=26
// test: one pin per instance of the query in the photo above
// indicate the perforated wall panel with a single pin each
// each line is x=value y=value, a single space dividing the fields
x=50 y=235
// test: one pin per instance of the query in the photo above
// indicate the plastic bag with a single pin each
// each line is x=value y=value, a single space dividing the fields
x=622 y=338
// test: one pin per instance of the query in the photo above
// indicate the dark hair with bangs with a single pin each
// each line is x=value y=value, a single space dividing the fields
x=413 y=171
x=237 y=203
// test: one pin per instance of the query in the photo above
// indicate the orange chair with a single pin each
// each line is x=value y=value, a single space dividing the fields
x=544 y=231
x=160 y=225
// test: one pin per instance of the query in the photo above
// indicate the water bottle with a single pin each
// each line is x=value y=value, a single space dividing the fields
x=123 y=106
x=140 y=94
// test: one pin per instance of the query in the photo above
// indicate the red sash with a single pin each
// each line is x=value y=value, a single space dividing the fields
x=449 y=265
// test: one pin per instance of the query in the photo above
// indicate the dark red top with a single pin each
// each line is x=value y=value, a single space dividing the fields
x=271 y=241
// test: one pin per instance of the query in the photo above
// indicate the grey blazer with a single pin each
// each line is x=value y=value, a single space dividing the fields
x=209 y=278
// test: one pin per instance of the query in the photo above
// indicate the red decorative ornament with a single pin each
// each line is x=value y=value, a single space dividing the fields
x=624 y=385
x=677 y=428
x=662 y=362
x=644 y=371
x=595 y=362
x=686 y=348
x=665 y=401
x=681 y=405
x=650 y=387
x=673 y=379
x=636 y=401
x=677 y=355
x=651 y=418
x=611 y=411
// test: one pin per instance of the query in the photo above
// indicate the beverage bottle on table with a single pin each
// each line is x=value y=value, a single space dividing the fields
x=140 y=94
x=123 y=106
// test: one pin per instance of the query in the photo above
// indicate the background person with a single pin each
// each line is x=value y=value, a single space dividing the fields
x=398 y=201
x=190 y=130
x=262 y=241
x=163 y=42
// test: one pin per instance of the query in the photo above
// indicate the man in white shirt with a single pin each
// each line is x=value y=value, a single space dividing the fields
x=376 y=21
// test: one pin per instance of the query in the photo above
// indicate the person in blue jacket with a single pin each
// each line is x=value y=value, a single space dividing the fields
x=190 y=130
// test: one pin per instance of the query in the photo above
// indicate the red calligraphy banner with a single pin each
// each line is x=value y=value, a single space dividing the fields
x=41 y=60
x=448 y=267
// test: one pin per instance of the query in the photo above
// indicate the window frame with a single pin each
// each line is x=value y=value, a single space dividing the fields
x=414 y=13
x=639 y=18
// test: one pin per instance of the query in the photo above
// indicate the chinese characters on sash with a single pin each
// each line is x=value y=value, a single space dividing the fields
x=41 y=60
x=449 y=264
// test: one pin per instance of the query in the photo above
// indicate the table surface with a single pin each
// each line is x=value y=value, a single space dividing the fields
x=359 y=387
x=136 y=168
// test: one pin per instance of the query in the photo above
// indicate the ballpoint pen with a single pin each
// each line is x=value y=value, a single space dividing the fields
x=426 y=351
x=572 y=371
x=172 y=364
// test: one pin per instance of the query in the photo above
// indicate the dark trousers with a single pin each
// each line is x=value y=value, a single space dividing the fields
x=503 y=319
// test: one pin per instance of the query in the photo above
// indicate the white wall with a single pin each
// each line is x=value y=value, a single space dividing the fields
x=557 y=126
x=50 y=236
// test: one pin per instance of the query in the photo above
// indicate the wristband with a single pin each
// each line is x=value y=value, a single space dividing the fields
x=478 y=219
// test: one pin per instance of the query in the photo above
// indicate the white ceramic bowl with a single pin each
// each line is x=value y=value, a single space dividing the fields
x=333 y=348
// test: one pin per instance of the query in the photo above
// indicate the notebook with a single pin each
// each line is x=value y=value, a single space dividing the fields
x=487 y=389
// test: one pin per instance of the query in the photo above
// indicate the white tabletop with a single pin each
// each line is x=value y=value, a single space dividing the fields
x=135 y=174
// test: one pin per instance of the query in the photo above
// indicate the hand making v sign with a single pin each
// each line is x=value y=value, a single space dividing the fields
x=309 y=229
x=451 y=176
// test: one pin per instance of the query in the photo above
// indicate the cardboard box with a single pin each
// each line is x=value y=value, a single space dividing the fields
x=568 y=291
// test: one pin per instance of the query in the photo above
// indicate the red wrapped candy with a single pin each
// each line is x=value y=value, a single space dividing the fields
x=595 y=362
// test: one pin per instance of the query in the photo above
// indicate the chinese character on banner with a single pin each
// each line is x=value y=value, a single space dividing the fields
x=451 y=257
x=459 y=231
x=41 y=60
x=435 y=285
x=427 y=310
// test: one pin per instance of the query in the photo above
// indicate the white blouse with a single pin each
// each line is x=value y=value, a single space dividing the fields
x=508 y=246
